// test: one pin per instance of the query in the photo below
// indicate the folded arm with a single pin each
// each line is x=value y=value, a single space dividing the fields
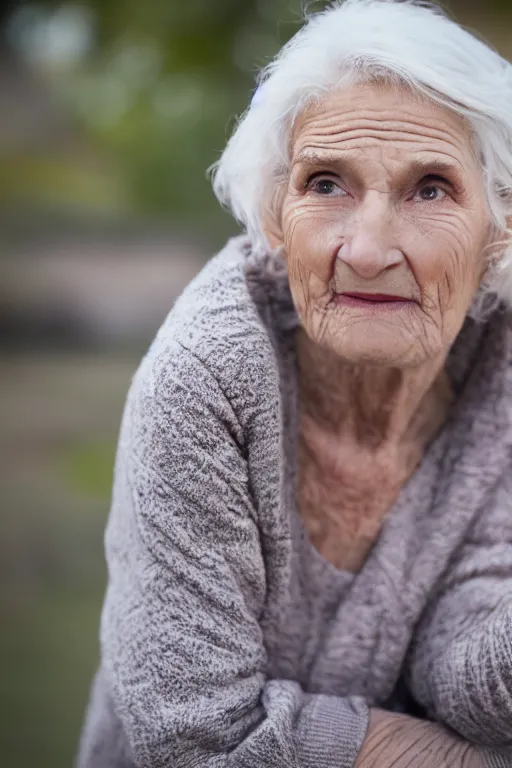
x=182 y=648
x=460 y=666
x=399 y=741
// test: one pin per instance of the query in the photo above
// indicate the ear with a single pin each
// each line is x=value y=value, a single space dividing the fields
x=500 y=242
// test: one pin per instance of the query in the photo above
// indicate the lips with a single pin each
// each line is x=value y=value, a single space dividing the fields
x=374 y=302
x=375 y=297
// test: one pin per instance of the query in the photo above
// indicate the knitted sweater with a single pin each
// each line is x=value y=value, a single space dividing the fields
x=226 y=639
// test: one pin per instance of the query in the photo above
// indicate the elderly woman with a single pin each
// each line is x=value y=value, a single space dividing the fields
x=310 y=544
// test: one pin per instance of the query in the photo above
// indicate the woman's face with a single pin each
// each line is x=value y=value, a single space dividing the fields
x=384 y=223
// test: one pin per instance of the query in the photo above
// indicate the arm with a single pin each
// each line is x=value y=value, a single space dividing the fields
x=460 y=667
x=182 y=648
x=399 y=741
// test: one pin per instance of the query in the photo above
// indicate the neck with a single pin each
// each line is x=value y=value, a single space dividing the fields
x=375 y=405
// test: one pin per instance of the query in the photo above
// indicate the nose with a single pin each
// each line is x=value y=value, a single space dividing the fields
x=367 y=249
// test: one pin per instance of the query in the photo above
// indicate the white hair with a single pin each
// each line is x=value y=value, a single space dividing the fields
x=404 y=41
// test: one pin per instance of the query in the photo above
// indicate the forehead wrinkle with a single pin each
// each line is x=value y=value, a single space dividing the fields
x=333 y=122
x=341 y=122
x=350 y=159
x=342 y=135
x=367 y=102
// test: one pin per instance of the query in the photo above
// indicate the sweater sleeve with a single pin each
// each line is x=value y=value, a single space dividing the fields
x=182 y=648
x=460 y=665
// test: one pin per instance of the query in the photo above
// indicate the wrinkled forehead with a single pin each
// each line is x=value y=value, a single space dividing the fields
x=394 y=119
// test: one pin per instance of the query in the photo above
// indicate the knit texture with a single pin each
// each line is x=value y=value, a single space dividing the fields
x=226 y=639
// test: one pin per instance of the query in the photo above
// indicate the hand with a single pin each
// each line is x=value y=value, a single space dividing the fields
x=399 y=741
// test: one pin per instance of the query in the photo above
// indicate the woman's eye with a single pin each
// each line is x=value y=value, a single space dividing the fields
x=430 y=193
x=326 y=187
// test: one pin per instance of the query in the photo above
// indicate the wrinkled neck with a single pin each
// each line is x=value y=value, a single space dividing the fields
x=373 y=405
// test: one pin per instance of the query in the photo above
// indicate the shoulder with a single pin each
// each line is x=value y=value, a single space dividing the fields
x=216 y=343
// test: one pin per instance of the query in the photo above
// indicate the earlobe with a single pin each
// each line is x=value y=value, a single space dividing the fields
x=508 y=231
x=500 y=242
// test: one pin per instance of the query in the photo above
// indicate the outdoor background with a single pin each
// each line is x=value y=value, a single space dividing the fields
x=110 y=113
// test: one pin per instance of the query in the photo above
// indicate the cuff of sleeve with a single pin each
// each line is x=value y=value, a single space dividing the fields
x=331 y=731
x=497 y=761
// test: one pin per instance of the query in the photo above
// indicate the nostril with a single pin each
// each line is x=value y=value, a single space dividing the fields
x=367 y=257
x=395 y=256
x=342 y=252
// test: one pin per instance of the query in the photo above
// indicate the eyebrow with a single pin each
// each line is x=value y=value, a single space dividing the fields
x=315 y=159
x=434 y=168
x=417 y=167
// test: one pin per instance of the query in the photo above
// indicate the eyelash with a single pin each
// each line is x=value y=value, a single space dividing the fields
x=318 y=177
x=427 y=181
x=435 y=181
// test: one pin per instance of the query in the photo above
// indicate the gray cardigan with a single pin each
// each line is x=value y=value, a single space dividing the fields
x=226 y=639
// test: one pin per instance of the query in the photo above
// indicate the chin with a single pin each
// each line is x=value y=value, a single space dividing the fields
x=370 y=349
x=371 y=356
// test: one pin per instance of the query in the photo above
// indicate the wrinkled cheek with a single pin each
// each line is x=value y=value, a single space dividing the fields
x=310 y=248
x=448 y=290
x=460 y=283
x=305 y=288
x=457 y=267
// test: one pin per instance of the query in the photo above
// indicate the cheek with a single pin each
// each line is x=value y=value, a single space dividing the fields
x=446 y=257
x=311 y=239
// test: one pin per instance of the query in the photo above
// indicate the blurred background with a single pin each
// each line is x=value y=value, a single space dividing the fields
x=110 y=113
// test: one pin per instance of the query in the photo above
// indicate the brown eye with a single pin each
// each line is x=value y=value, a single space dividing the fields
x=430 y=193
x=325 y=187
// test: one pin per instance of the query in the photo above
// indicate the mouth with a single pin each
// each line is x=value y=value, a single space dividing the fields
x=373 y=301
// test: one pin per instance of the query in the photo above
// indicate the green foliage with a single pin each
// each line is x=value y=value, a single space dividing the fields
x=87 y=470
x=158 y=86
x=48 y=653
